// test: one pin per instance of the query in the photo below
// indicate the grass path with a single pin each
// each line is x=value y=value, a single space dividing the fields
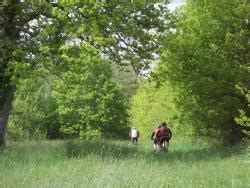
x=119 y=164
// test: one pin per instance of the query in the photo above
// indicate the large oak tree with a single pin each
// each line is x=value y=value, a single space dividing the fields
x=33 y=31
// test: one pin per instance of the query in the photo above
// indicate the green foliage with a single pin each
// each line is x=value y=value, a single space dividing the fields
x=33 y=115
x=206 y=61
x=89 y=103
x=151 y=106
x=121 y=31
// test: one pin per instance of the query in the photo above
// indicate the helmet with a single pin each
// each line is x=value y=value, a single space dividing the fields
x=164 y=124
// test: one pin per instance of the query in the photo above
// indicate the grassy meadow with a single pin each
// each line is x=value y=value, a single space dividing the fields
x=109 y=163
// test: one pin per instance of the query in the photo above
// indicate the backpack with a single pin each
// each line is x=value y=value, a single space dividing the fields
x=164 y=132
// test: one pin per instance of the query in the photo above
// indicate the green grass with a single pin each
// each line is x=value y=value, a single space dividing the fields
x=107 y=163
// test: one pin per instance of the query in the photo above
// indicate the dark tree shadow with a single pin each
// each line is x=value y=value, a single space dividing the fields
x=102 y=149
x=50 y=152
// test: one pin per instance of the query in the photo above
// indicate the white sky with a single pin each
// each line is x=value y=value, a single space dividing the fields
x=174 y=4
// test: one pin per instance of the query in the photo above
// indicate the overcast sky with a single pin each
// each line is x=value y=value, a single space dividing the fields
x=175 y=3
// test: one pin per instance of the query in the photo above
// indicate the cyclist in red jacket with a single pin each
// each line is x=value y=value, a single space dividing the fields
x=165 y=134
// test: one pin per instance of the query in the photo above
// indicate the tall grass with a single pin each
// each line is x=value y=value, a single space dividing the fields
x=109 y=163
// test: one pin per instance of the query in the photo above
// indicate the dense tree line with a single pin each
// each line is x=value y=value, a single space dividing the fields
x=74 y=69
x=34 y=32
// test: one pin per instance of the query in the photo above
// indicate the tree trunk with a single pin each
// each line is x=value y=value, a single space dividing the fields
x=10 y=31
x=4 y=115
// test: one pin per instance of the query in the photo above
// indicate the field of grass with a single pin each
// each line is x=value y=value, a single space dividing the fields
x=106 y=163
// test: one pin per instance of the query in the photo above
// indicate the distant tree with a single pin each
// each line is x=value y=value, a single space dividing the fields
x=127 y=79
x=206 y=59
x=34 y=112
x=151 y=106
x=88 y=101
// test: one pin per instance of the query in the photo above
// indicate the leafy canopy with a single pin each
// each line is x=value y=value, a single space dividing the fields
x=206 y=61
x=89 y=102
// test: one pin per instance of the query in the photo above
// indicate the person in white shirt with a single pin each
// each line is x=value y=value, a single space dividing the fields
x=134 y=135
